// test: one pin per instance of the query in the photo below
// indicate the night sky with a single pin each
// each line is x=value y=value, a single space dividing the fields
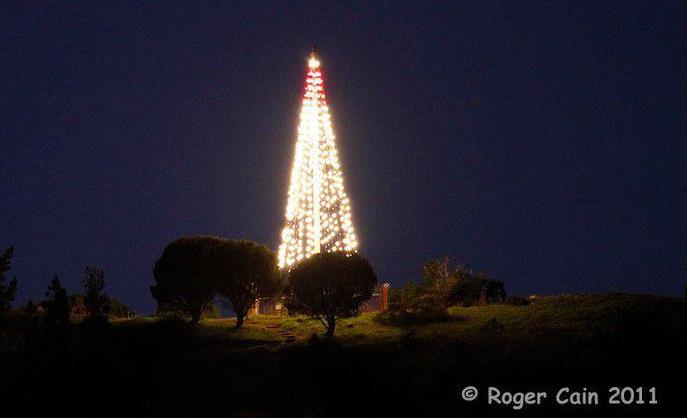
x=540 y=142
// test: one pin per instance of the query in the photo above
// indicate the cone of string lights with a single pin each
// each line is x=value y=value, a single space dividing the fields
x=318 y=211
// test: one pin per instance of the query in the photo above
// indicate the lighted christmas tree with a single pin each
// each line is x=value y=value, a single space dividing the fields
x=318 y=212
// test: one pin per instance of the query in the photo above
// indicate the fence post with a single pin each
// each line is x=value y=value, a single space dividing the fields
x=384 y=297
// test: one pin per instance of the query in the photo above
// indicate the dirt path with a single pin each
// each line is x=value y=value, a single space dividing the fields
x=285 y=334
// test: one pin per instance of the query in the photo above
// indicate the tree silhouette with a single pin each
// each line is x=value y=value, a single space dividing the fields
x=56 y=305
x=444 y=286
x=29 y=308
x=495 y=291
x=7 y=291
x=244 y=271
x=329 y=285
x=95 y=300
x=439 y=280
x=183 y=282
x=192 y=270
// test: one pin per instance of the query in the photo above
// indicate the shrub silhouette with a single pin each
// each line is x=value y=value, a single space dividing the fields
x=330 y=285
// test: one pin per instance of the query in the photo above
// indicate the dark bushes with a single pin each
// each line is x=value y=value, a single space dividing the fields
x=442 y=286
x=517 y=301
x=422 y=315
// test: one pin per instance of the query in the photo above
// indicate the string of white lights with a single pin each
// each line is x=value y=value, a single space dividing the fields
x=318 y=212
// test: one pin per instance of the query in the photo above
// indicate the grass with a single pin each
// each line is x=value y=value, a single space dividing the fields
x=147 y=367
x=576 y=317
x=580 y=316
x=270 y=329
x=255 y=331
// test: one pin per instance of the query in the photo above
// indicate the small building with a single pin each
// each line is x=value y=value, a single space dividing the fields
x=269 y=306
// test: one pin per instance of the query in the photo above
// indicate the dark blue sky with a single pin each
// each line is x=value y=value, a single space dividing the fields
x=541 y=142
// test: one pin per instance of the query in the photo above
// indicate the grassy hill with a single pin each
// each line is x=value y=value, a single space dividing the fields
x=581 y=319
x=274 y=366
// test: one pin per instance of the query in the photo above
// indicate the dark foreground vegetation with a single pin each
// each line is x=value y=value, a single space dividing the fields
x=88 y=355
x=275 y=366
